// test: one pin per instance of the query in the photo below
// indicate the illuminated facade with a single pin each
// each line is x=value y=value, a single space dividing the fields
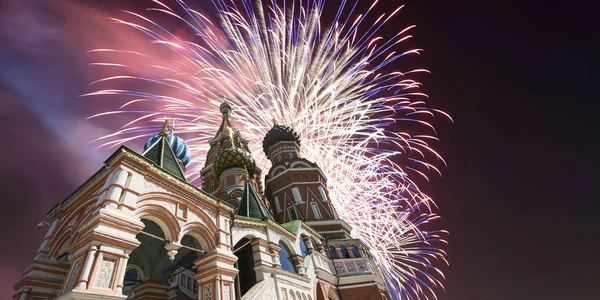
x=138 y=230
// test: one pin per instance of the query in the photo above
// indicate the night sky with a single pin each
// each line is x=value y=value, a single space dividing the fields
x=518 y=77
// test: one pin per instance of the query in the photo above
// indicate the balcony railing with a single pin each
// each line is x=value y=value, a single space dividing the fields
x=323 y=262
x=353 y=266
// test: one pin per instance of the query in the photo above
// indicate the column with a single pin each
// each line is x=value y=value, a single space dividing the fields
x=82 y=283
x=350 y=251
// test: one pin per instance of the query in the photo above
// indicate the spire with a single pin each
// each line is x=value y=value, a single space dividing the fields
x=251 y=205
x=231 y=137
x=226 y=117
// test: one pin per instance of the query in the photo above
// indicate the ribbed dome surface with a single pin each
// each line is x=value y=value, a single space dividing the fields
x=277 y=134
x=177 y=144
x=233 y=158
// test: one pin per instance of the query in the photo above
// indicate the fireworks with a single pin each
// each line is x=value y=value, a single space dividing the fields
x=328 y=79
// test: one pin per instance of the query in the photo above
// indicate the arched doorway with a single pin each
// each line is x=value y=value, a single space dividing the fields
x=150 y=263
x=246 y=278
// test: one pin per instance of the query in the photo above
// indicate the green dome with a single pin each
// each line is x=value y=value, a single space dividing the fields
x=278 y=134
x=233 y=158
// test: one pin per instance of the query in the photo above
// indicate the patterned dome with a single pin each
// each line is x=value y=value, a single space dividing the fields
x=178 y=145
x=277 y=134
x=233 y=158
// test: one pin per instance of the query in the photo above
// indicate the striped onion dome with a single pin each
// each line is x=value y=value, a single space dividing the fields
x=178 y=145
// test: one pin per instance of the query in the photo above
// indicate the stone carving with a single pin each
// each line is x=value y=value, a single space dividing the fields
x=362 y=266
x=105 y=275
x=207 y=294
x=339 y=267
x=226 y=292
x=351 y=267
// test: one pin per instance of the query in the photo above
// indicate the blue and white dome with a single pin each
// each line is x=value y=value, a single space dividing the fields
x=178 y=145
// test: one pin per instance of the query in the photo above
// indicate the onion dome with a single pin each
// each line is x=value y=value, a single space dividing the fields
x=233 y=157
x=177 y=144
x=279 y=133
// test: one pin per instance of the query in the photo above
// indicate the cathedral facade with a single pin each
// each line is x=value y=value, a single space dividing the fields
x=138 y=230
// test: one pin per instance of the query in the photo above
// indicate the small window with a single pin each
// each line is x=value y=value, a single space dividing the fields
x=292 y=213
x=211 y=187
x=291 y=155
x=236 y=179
x=297 y=196
x=276 y=200
x=322 y=192
x=316 y=211
x=279 y=158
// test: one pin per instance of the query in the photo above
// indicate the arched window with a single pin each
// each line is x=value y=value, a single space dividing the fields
x=285 y=258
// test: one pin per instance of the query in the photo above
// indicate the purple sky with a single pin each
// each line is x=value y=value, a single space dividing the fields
x=519 y=78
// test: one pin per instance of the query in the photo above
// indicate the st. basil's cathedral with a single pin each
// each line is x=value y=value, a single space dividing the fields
x=137 y=229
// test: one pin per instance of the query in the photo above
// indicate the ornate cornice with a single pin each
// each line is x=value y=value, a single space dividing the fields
x=135 y=161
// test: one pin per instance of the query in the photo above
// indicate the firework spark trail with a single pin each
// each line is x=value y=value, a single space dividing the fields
x=328 y=84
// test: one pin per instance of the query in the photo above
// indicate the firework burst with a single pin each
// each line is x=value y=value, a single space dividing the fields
x=330 y=82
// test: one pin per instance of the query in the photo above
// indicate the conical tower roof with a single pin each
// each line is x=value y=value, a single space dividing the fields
x=160 y=151
x=251 y=205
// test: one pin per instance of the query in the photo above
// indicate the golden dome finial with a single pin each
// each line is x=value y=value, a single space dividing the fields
x=274 y=121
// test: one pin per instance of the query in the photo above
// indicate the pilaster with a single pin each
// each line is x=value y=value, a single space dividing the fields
x=216 y=274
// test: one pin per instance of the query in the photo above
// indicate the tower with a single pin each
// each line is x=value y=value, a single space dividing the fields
x=227 y=161
x=296 y=187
